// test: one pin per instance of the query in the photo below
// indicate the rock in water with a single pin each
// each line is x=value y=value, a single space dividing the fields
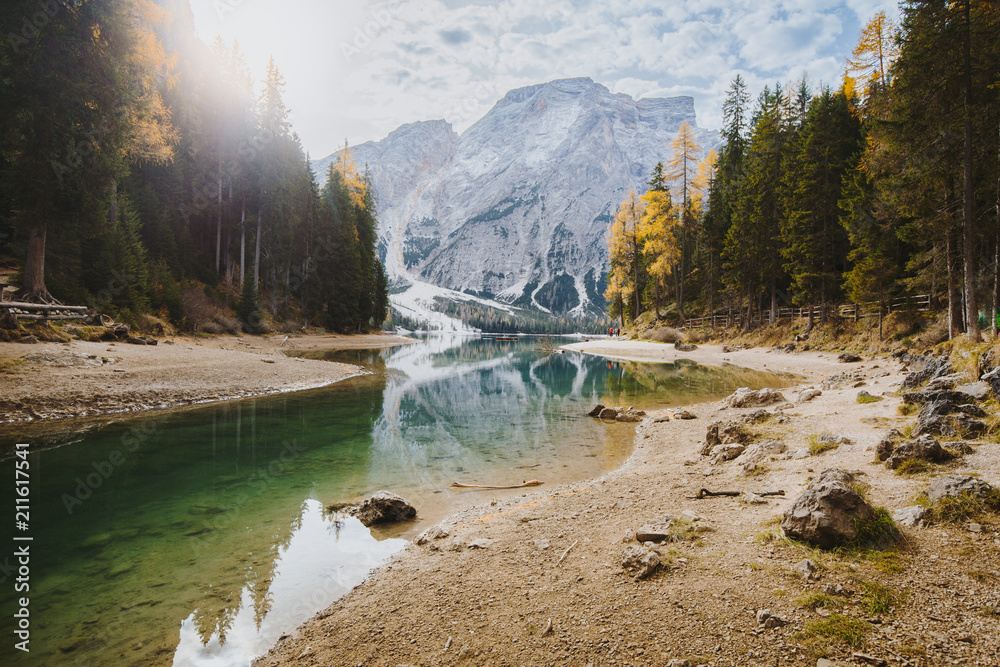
x=685 y=347
x=826 y=515
x=383 y=507
x=596 y=412
x=608 y=413
x=745 y=397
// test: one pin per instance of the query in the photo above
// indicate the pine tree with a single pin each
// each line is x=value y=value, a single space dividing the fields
x=814 y=244
x=82 y=102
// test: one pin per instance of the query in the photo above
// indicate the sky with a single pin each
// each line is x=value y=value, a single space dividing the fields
x=357 y=70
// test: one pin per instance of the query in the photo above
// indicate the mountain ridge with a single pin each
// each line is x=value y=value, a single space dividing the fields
x=515 y=208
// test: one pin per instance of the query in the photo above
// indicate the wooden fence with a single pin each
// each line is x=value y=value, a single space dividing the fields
x=852 y=311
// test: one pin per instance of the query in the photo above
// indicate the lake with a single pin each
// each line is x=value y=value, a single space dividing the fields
x=198 y=537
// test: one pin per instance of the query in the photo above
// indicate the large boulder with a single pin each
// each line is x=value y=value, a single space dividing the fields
x=639 y=561
x=924 y=368
x=924 y=448
x=885 y=446
x=954 y=426
x=744 y=397
x=723 y=453
x=946 y=412
x=911 y=516
x=383 y=507
x=762 y=452
x=827 y=514
x=723 y=433
x=993 y=379
x=978 y=390
x=935 y=396
x=684 y=347
x=956 y=485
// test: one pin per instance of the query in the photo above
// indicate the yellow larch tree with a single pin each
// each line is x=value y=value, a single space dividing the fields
x=683 y=170
x=658 y=234
x=702 y=182
x=356 y=183
x=868 y=66
x=625 y=256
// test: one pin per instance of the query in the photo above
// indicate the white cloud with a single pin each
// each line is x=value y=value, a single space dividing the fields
x=414 y=60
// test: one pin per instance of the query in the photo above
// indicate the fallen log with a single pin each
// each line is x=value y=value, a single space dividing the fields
x=705 y=493
x=459 y=485
x=33 y=316
x=41 y=306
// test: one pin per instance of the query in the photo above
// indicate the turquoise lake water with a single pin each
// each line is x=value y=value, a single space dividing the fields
x=198 y=537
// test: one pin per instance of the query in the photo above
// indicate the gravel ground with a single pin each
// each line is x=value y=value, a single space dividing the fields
x=537 y=579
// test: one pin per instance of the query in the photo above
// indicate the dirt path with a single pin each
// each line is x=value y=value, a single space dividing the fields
x=51 y=382
x=537 y=579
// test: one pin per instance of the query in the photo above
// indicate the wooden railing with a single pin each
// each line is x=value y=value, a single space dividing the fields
x=854 y=311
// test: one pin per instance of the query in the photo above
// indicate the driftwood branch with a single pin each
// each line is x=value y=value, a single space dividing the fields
x=533 y=482
x=566 y=553
x=705 y=493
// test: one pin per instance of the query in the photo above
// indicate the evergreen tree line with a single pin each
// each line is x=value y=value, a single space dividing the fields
x=141 y=173
x=494 y=320
x=885 y=186
x=489 y=319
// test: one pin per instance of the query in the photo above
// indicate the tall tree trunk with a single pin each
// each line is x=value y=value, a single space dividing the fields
x=33 y=282
x=656 y=299
x=113 y=210
x=968 y=212
x=273 y=281
x=996 y=256
x=256 y=255
x=635 y=264
x=243 y=243
x=218 y=220
x=773 y=316
x=677 y=291
x=951 y=251
x=228 y=241
x=746 y=325
x=711 y=286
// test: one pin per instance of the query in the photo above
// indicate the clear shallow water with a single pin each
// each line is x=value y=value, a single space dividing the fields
x=199 y=537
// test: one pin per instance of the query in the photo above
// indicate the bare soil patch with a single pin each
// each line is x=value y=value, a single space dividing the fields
x=53 y=382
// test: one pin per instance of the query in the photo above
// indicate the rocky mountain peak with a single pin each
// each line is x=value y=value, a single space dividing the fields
x=516 y=209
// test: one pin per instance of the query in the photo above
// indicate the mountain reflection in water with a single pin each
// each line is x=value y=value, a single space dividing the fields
x=206 y=539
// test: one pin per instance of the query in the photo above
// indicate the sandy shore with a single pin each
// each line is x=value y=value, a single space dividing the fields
x=49 y=383
x=537 y=579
